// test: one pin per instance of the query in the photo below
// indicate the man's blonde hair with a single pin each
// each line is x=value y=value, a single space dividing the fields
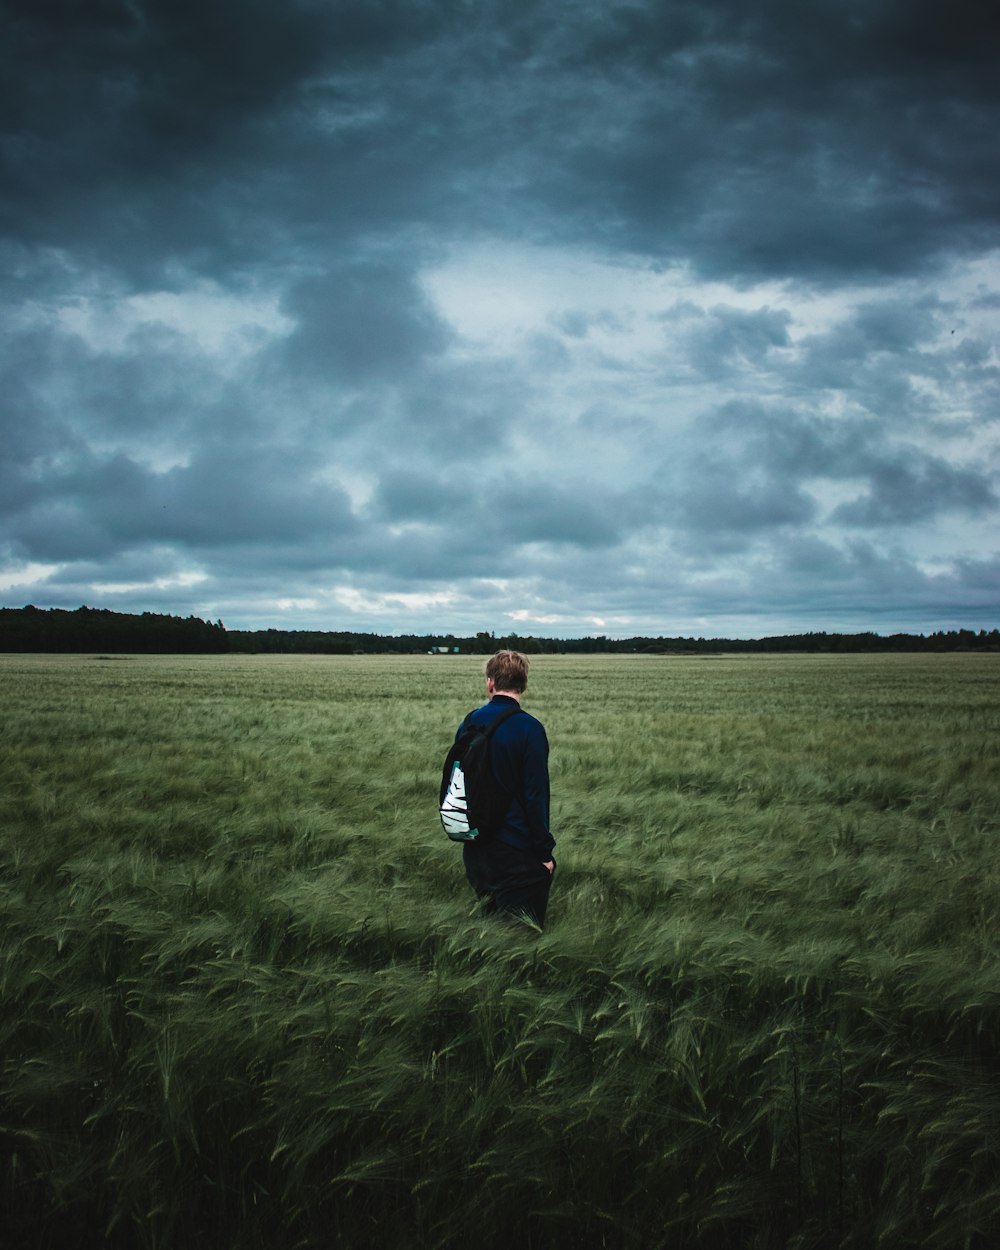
x=509 y=670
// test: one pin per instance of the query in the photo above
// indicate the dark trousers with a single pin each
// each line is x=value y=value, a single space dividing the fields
x=513 y=884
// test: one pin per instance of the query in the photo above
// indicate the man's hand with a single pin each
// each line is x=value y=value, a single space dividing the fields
x=550 y=865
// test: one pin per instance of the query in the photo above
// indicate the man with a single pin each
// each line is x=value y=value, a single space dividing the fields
x=511 y=870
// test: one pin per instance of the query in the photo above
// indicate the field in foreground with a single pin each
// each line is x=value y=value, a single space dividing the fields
x=245 y=999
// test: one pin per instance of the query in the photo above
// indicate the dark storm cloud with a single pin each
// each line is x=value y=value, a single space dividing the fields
x=191 y=111
x=779 y=138
x=808 y=138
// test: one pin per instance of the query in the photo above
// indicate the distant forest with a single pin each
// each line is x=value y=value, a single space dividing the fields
x=98 y=630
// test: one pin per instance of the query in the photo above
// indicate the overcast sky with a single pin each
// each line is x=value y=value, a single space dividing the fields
x=559 y=317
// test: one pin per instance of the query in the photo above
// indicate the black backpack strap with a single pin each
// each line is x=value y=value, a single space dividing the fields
x=497 y=721
x=488 y=730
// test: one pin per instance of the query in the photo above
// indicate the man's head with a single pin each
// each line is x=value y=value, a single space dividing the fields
x=507 y=672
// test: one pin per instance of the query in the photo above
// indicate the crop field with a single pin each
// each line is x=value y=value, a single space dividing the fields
x=247 y=1000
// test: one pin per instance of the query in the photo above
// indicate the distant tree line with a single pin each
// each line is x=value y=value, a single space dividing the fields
x=942 y=640
x=96 y=629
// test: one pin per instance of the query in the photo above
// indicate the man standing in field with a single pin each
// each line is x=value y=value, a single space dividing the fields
x=511 y=870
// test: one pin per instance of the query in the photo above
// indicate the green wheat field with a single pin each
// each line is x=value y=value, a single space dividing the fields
x=248 y=1001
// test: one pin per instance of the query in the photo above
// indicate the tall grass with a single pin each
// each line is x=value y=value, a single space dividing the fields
x=246 y=998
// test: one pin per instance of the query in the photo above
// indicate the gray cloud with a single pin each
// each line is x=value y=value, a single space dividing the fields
x=404 y=495
x=914 y=488
x=642 y=310
x=94 y=506
x=361 y=322
x=732 y=339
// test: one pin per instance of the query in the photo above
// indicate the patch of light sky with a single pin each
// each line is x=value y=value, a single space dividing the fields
x=297 y=605
x=938 y=545
x=214 y=322
x=976 y=279
x=176 y=581
x=26 y=575
x=523 y=615
x=356 y=485
x=345 y=113
x=495 y=293
x=354 y=600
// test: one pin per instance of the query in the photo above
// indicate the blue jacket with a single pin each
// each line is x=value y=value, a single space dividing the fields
x=519 y=753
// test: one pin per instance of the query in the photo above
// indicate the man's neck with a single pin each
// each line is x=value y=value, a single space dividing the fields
x=507 y=694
